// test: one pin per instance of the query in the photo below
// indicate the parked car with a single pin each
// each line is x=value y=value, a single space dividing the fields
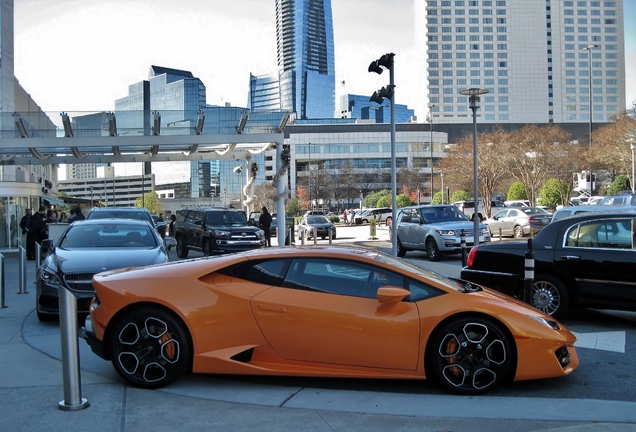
x=619 y=200
x=518 y=221
x=120 y=213
x=468 y=208
x=320 y=224
x=214 y=231
x=379 y=214
x=90 y=247
x=586 y=260
x=573 y=210
x=356 y=312
x=435 y=229
x=517 y=203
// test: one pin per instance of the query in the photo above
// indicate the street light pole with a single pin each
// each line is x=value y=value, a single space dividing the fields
x=377 y=66
x=430 y=113
x=473 y=99
x=309 y=206
x=632 y=146
x=589 y=49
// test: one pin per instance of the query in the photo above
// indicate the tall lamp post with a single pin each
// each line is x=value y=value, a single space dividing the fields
x=239 y=169
x=377 y=66
x=632 y=146
x=473 y=99
x=430 y=114
x=309 y=206
x=589 y=49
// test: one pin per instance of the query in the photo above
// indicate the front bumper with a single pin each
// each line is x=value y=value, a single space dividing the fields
x=95 y=344
x=48 y=300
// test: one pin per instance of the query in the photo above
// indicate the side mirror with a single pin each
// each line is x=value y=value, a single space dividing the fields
x=250 y=222
x=392 y=294
x=47 y=245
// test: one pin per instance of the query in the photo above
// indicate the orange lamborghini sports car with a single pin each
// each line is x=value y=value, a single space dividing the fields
x=318 y=311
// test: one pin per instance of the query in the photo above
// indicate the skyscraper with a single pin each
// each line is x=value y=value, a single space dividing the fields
x=304 y=38
x=534 y=57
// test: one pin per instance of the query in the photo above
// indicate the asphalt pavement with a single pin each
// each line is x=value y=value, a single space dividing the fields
x=32 y=387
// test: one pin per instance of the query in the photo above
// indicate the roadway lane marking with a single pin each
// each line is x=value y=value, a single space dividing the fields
x=606 y=341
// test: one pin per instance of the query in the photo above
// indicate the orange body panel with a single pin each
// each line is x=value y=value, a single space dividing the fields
x=305 y=333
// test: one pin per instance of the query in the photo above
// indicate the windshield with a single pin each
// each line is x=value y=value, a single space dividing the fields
x=442 y=214
x=81 y=236
x=317 y=220
x=225 y=218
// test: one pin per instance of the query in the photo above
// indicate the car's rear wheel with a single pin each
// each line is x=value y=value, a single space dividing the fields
x=182 y=249
x=432 y=250
x=518 y=231
x=469 y=355
x=401 y=251
x=550 y=295
x=150 y=347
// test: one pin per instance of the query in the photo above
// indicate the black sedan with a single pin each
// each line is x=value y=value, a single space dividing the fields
x=587 y=260
x=88 y=247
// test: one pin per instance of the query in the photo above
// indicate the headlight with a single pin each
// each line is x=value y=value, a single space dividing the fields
x=221 y=233
x=49 y=277
x=485 y=231
x=550 y=323
x=446 y=232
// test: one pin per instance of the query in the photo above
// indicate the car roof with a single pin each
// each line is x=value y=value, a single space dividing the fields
x=107 y=221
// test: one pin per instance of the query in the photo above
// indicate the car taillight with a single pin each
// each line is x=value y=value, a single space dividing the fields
x=471 y=257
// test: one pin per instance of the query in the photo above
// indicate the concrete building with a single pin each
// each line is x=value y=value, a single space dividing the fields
x=541 y=61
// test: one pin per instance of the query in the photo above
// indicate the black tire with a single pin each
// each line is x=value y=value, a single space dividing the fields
x=333 y=235
x=517 y=231
x=401 y=250
x=182 y=249
x=550 y=295
x=150 y=347
x=469 y=355
x=207 y=247
x=432 y=250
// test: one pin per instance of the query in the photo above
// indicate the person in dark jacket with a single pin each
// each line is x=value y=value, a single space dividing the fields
x=77 y=215
x=265 y=223
x=38 y=231
x=25 y=225
x=173 y=219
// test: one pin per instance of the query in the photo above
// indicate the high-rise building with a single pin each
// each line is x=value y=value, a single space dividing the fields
x=535 y=58
x=264 y=93
x=306 y=75
x=360 y=107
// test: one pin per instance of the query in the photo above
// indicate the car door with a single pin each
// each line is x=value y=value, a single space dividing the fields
x=409 y=229
x=600 y=256
x=496 y=223
x=327 y=311
x=195 y=228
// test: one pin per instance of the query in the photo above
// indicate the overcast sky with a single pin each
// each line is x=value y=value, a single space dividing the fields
x=81 y=55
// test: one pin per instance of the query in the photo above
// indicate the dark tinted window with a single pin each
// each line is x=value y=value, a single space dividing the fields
x=270 y=272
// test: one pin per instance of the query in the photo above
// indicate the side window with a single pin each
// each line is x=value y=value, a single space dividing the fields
x=270 y=272
x=339 y=277
x=197 y=218
x=421 y=291
x=616 y=234
x=190 y=217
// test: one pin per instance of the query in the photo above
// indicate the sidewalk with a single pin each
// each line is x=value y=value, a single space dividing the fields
x=31 y=387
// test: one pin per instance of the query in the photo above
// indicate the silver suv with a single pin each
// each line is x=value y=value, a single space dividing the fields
x=436 y=229
x=468 y=208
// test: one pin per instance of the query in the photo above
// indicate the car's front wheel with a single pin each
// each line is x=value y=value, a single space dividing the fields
x=550 y=295
x=182 y=249
x=469 y=355
x=207 y=247
x=401 y=250
x=150 y=347
x=432 y=250
x=518 y=231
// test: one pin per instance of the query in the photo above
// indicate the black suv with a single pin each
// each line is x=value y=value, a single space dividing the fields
x=215 y=230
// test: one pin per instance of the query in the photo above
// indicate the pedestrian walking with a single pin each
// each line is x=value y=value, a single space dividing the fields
x=265 y=223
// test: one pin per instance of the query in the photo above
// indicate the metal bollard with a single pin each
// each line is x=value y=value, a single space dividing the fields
x=302 y=237
x=3 y=304
x=315 y=236
x=22 y=272
x=500 y=234
x=38 y=257
x=528 y=280
x=73 y=400
x=463 y=243
x=330 y=237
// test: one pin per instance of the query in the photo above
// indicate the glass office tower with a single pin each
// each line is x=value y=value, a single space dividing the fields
x=304 y=38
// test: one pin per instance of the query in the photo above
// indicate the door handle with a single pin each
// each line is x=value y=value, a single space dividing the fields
x=570 y=257
x=271 y=308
